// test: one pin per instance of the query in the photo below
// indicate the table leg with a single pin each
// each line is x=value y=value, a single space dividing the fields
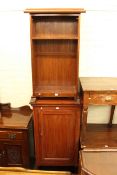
x=84 y=124
x=111 y=115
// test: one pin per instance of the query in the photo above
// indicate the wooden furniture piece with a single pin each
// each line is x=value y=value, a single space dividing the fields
x=99 y=162
x=55 y=35
x=98 y=91
x=98 y=141
x=57 y=130
x=22 y=171
x=15 y=124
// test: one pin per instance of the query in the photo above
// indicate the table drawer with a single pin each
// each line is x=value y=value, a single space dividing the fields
x=12 y=135
x=101 y=98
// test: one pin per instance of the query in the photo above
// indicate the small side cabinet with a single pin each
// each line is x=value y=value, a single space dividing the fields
x=15 y=127
x=57 y=129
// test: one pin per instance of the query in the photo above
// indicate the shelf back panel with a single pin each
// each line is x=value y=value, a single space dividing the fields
x=51 y=26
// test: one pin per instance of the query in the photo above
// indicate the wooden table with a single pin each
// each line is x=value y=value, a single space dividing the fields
x=98 y=91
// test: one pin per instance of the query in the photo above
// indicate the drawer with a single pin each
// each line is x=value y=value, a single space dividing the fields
x=12 y=135
x=102 y=98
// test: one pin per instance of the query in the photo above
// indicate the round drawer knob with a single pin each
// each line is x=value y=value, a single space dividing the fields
x=108 y=98
x=57 y=108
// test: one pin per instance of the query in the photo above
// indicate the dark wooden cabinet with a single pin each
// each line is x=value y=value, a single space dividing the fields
x=57 y=129
x=14 y=152
x=15 y=136
x=55 y=35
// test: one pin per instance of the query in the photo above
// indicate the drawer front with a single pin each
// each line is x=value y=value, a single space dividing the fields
x=12 y=135
x=102 y=98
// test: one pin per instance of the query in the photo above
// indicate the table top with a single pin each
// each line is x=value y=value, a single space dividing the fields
x=99 y=162
x=15 y=118
x=99 y=84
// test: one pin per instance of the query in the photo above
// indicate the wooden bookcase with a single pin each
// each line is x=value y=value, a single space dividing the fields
x=55 y=52
x=55 y=38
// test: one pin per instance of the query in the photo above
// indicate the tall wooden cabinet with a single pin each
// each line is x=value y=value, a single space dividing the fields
x=55 y=59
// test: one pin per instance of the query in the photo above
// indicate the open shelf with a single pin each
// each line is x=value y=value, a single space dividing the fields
x=54 y=91
x=100 y=136
x=55 y=47
x=55 y=55
x=52 y=37
x=54 y=27
x=55 y=71
x=55 y=66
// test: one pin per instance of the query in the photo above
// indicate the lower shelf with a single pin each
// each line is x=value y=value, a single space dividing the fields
x=55 y=91
x=100 y=136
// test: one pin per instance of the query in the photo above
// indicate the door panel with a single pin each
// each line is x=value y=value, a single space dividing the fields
x=3 y=161
x=58 y=136
x=14 y=154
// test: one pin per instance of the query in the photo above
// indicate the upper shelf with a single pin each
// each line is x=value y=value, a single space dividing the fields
x=100 y=136
x=56 y=37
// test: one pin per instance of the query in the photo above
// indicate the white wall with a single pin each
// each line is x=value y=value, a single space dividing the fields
x=98 y=48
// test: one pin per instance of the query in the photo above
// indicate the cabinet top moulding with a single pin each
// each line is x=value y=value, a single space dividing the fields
x=55 y=10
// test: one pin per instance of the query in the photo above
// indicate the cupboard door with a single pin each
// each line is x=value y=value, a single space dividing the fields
x=58 y=139
x=13 y=154
x=3 y=161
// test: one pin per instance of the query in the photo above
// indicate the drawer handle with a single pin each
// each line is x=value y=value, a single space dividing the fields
x=12 y=136
x=56 y=94
x=57 y=108
x=108 y=98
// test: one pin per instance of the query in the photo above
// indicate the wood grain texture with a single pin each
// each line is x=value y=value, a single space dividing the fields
x=15 y=117
x=99 y=162
x=98 y=91
x=55 y=10
x=100 y=136
x=99 y=84
x=55 y=54
x=57 y=130
x=14 y=135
